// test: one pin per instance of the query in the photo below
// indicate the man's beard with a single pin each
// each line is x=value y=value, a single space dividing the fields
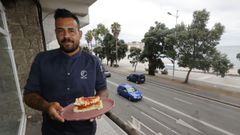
x=71 y=49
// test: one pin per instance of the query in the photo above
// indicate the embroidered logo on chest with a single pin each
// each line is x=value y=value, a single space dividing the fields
x=83 y=74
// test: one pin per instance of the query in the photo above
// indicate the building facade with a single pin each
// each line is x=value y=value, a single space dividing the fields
x=23 y=24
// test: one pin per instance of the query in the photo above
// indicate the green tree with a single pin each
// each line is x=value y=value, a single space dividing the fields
x=89 y=37
x=220 y=64
x=100 y=32
x=135 y=55
x=238 y=56
x=110 y=50
x=154 y=49
x=95 y=35
x=116 y=28
x=86 y=49
x=100 y=52
x=196 y=42
x=109 y=47
x=123 y=48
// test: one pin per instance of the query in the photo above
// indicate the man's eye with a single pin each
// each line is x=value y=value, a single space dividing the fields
x=71 y=30
x=59 y=30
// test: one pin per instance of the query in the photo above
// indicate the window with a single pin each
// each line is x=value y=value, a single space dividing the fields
x=12 y=112
x=1 y=21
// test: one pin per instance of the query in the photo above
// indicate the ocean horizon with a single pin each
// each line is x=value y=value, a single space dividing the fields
x=231 y=52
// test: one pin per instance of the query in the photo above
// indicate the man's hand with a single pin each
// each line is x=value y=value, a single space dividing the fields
x=54 y=110
x=103 y=95
x=93 y=119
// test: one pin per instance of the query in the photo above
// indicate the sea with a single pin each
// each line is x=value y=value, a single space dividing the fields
x=231 y=52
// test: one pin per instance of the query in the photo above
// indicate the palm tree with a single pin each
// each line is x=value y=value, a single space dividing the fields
x=116 y=28
x=89 y=37
x=95 y=36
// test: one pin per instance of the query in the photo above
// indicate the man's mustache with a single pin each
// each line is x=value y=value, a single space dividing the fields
x=66 y=40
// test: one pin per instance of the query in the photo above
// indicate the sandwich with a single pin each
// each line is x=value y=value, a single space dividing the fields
x=84 y=104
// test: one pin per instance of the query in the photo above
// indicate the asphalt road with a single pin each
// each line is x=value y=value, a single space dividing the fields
x=164 y=111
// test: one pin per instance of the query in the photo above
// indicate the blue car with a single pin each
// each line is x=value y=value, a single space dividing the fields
x=136 y=77
x=129 y=92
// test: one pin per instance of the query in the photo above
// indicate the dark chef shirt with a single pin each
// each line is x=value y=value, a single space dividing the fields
x=60 y=78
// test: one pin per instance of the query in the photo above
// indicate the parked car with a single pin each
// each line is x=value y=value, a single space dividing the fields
x=106 y=72
x=164 y=71
x=130 y=92
x=136 y=77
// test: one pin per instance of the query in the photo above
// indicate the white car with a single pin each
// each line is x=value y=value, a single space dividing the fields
x=106 y=72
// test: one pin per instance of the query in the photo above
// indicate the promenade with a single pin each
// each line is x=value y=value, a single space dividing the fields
x=229 y=83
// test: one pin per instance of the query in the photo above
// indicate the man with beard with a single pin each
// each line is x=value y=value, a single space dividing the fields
x=59 y=76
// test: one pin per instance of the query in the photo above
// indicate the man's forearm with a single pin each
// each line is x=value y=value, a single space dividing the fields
x=35 y=101
x=103 y=93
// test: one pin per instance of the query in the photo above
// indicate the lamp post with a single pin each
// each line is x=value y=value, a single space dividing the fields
x=175 y=34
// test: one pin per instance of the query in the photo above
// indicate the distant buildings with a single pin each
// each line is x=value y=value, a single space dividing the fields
x=135 y=44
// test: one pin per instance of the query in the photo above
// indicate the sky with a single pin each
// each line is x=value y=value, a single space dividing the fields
x=136 y=16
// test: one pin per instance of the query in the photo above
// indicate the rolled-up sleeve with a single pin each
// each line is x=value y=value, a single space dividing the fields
x=33 y=81
x=100 y=78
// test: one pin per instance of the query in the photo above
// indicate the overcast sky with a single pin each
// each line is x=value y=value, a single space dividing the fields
x=136 y=16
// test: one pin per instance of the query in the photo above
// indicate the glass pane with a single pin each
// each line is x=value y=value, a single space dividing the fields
x=3 y=42
x=1 y=20
x=10 y=112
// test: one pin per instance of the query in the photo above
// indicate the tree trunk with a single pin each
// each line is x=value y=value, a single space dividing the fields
x=151 y=69
x=116 y=52
x=186 y=80
x=111 y=63
x=135 y=67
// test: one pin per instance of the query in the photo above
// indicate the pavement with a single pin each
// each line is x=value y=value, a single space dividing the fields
x=229 y=83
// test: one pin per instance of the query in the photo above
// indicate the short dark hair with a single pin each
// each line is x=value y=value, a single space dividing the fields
x=64 y=13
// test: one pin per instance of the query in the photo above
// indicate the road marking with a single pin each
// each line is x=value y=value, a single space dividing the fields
x=186 y=115
x=133 y=126
x=164 y=113
x=140 y=123
x=168 y=128
x=113 y=83
x=178 y=121
x=181 y=100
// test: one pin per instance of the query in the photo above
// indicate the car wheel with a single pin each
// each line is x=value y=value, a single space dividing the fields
x=129 y=98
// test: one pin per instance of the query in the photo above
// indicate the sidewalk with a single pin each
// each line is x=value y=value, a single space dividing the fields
x=229 y=83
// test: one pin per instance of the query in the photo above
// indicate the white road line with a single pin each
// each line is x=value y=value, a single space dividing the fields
x=133 y=126
x=181 y=100
x=144 y=125
x=168 y=128
x=186 y=115
x=164 y=114
x=178 y=121
x=113 y=83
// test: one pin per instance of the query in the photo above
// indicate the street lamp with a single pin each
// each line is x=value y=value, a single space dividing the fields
x=175 y=34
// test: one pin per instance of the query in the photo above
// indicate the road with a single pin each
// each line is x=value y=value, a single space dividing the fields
x=165 y=111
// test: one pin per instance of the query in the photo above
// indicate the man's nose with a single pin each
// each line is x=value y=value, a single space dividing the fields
x=66 y=33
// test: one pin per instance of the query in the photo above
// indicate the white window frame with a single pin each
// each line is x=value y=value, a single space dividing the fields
x=5 y=32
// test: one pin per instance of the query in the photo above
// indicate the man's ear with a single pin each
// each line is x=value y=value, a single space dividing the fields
x=80 y=33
